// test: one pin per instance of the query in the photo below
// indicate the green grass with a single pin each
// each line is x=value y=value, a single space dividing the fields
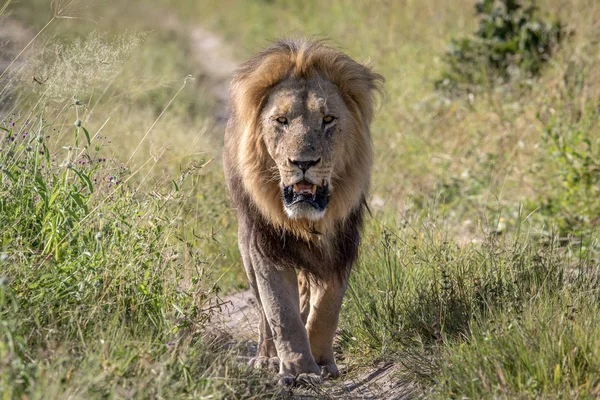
x=478 y=320
x=549 y=350
x=479 y=267
x=104 y=291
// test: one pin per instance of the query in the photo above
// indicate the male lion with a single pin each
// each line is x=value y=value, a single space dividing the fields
x=297 y=160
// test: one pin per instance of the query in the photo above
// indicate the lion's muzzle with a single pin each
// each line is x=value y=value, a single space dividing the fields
x=305 y=192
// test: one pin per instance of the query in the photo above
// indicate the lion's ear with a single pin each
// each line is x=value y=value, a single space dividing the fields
x=253 y=79
x=365 y=90
x=359 y=85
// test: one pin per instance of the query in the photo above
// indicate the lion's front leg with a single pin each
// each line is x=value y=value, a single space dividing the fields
x=325 y=303
x=278 y=291
x=266 y=354
x=304 y=291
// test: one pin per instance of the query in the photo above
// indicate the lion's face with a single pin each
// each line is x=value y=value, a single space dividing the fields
x=303 y=125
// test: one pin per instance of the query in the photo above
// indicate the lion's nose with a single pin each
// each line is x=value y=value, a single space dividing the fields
x=304 y=165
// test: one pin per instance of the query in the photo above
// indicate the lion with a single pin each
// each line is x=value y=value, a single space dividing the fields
x=297 y=158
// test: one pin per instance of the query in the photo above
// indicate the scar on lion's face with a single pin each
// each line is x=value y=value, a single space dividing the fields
x=303 y=126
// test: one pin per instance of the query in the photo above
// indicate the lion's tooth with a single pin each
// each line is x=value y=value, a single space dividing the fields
x=313 y=189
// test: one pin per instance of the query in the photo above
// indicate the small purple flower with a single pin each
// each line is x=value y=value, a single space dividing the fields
x=13 y=124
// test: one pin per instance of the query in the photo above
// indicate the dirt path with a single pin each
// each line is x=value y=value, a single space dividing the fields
x=214 y=59
x=381 y=381
x=13 y=38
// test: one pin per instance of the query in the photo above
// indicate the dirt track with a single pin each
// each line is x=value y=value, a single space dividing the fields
x=381 y=381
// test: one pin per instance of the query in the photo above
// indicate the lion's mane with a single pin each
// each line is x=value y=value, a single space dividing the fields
x=249 y=159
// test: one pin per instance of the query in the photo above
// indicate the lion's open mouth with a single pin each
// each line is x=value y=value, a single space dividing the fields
x=306 y=192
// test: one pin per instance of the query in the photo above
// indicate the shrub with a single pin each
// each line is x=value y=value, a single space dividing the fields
x=512 y=42
x=571 y=157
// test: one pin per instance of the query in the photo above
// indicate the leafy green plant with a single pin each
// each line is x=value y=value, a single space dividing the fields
x=571 y=151
x=512 y=42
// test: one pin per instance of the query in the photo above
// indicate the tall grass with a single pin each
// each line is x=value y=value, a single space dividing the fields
x=477 y=320
x=104 y=288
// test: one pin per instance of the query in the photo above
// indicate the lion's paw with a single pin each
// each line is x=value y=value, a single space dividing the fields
x=329 y=370
x=265 y=362
x=274 y=363
x=303 y=380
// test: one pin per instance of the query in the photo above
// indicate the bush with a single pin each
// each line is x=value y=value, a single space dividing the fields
x=511 y=42
x=571 y=157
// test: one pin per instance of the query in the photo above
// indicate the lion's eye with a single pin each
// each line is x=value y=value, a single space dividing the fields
x=282 y=120
x=328 y=119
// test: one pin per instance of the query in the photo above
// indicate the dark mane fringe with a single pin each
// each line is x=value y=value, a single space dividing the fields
x=284 y=249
